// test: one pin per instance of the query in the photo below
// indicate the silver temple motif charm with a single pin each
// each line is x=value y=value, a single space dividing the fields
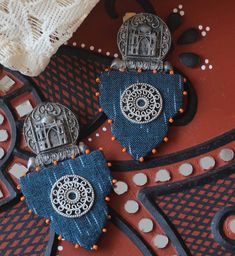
x=72 y=196
x=50 y=131
x=141 y=103
x=143 y=40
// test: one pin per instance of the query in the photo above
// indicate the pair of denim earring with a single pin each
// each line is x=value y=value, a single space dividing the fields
x=69 y=185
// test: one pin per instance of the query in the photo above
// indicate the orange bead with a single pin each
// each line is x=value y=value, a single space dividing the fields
x=181 y=110
x=141 y=159
x=110 y=121
x=185 y=80
x=166 y=139
x=109 y=164
x=30 y=211
x=95 y=247
x=76 y=246
x=139 y=70
x=104 y=230
x=97 y=80
x=107 y=69
x=101 y=149
x=107 y=199
x=124 y=150
x=171 y=120
x=18 y=187
x=47 y=221
x=73 y=156
x=185 y=93
x=55 y=162
x=22 y=198
x=114 y=181
x=171 y=72
x=100 y=110
x=97 y=94
x=37 y=169
x=154 y=151
x=113 y=138
x=87 y=151
x=109 y=217
x=154 y=71
x=60 y=237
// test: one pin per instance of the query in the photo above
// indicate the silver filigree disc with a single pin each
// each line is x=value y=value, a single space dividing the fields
x=72 y=196
x=141 y=103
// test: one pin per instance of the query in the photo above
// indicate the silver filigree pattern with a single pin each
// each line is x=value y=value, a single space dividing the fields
x=72 y=196
x=144 y=40
x=141 y=103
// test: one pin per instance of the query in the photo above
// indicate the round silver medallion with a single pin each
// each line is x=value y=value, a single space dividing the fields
x=72 y=196
x=141 y=103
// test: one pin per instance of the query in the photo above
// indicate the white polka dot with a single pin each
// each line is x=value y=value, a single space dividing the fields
x=226 y=154
x=182 y=13
x=74 y=43
x=186 y=169
x=131 y=206
x=162 y=175
x=89 y=139
x=120 y=187
x=180 y=6
x=175 y=10
x=207 y=163
x=206 y=61
x=140 y=179
x=107 y=53
x=145 y=225
x=160 y=241
x=115 y=55
x=92 y=48
x=2 y=153
x=203 y=33
x=1 y=119
x=200 y=27
x=232 y=226
x=3 y=135
x=99 y=50
x=83 y=45
x=60 y=248
x=210 y=66
x=97 y=134
x=104 y=129
x=208 y=28
x=203 y=67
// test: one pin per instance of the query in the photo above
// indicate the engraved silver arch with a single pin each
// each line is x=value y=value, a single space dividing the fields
x=51 y=131
x=141 y=103
x=144 y=40
x=72 y=196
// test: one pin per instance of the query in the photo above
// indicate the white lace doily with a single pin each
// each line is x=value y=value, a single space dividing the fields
x=31 y=31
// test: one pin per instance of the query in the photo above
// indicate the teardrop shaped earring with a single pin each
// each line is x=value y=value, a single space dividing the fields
x=66 y=184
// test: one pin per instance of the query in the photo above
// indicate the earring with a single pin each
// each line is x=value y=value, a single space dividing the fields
x=66 y=184
x=141 y=94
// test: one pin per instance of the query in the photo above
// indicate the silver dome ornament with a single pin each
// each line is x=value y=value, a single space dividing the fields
x=51 y=131
x=143 y=40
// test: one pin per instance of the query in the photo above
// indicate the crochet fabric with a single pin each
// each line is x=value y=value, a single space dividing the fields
x=140 y=139
x=31 y=31
x=84 y=230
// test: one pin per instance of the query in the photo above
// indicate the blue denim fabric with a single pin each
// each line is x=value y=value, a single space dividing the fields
x=140 y=139
x=86 y=229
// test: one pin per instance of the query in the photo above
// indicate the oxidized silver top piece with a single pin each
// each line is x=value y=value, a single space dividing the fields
x=50 y=131
x=72 y=196
x=143 y=41
x=141 y=103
